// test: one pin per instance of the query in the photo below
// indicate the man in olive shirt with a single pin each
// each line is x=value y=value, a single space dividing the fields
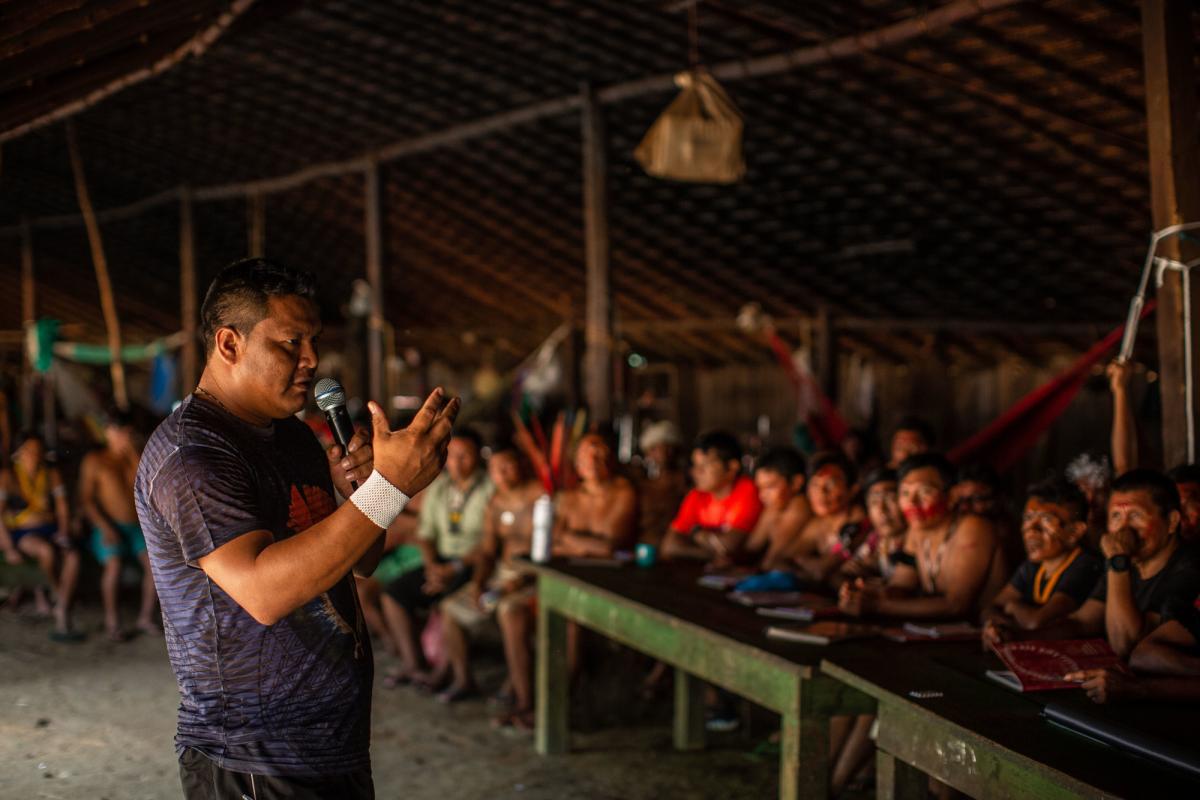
x=450 y=528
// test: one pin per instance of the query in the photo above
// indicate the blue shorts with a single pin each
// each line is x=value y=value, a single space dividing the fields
x=132 y=543
x=46 y=532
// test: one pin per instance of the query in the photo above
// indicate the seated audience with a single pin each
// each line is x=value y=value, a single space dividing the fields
x=401 y=555
x=1093 y=476
x=1059 y=574
x=507 y=589
x=34 y=523
x=779 y=478
x=716 y=518
x=662 y=484
x=911 y=436
x=837 y=526
x=449 y=529
x=883 y=548
x=959 y=564
x=1149 y=578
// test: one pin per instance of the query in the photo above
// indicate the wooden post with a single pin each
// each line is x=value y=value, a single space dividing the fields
x=552 y=684
x=896 y=780
x=1168 y=50
x=28 y=318
x=597 y=369
x=826 y=354
x=107 y=303
x=256 y=225
x=188 y=367
x=689 y=733
x=374 y=235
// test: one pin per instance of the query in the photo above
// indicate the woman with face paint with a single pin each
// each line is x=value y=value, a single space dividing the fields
x=959 y=565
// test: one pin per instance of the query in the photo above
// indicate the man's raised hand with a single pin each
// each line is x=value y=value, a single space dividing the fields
x=412 y=457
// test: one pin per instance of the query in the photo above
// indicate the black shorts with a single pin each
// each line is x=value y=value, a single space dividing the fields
x=409 y=592
x=203 y=780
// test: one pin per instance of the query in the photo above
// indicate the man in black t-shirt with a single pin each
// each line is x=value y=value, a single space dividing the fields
x=1149 y=575
x=253 y=560
x=1059 y=574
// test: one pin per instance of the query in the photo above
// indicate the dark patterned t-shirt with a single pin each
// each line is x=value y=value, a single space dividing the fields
x=293 y=698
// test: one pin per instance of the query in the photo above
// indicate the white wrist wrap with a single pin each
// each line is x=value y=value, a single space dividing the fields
x=378 y=500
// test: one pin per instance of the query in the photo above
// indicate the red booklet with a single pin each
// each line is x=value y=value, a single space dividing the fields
x=1038 y=666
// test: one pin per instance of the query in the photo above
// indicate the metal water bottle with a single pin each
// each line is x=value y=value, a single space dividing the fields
x=543 y=524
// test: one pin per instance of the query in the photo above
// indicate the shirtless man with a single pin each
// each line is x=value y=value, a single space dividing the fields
x=106 y=479
x=836 y=529
x=911 y=436
x=34 y=522
x=662 y=484
x=599 y=516
x=959 y=564
x=779 y=478
x=507 y=588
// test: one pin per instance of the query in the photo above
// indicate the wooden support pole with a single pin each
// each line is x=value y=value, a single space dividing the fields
x=1169 y=52
x=189 y=359
x=256 y=225
x=107 y=303
x=597 y=362
x=374 y=234
x=28 y=318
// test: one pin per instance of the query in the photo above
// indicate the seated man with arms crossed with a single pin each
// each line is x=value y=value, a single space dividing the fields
x=716 y=518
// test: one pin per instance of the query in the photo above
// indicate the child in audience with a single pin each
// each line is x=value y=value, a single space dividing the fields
x=837 y=526
x=1150 y=577
x=779 y=478
x=1059 y=574
x=959 y=565
x=717 y=517
x=883 y=548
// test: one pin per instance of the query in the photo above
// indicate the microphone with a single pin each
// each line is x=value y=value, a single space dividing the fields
x=331 y=398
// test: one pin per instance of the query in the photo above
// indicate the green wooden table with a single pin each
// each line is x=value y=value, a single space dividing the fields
x=983 y=739
x=663 y=613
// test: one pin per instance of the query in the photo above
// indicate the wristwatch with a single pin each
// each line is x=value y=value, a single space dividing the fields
x=1119 y=563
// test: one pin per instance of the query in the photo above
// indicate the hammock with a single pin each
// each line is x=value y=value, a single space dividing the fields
x=1008 y=437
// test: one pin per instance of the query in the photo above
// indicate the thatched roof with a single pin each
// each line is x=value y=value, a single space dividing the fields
x=993 y=171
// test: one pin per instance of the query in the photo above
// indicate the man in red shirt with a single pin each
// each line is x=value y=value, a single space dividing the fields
x=717 y=516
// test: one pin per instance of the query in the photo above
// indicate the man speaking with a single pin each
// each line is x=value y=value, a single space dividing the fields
x=253 y=560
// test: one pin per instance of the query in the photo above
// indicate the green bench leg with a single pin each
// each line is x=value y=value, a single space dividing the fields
x=689 y=711
x=896 y=780
x=804 y=756
x=551 y=736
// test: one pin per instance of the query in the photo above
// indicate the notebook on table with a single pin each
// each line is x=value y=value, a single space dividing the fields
x=927 y=632
x=1040 y=666
x=823 y=632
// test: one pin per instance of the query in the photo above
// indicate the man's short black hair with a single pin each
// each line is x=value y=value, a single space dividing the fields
x=926 y=460
x=723 y=443
x=116 y=417
x=1161 y=488
x=469 y=434
x=833 y=458
x=979 y=472
x=1061 y=492
x=785 y=461
x=237 y=298
x=918 y=425
x=879 y=475
x=1185 y=473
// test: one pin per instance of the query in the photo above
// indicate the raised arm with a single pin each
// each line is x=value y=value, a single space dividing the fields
x=270 y=579
x=1124 y=429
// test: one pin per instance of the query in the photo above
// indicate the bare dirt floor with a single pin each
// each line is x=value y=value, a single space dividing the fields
x=96 y=720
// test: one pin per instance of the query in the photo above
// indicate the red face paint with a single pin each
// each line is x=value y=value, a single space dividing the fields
x=925 y=513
